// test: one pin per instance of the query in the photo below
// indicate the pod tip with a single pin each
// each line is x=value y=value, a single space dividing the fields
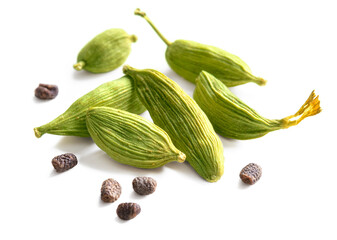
x=138 y=12
x=38 y=134
x=79 y=66
x=261 y=81
x=181 y=157
x=126 y=69
x=133 y=38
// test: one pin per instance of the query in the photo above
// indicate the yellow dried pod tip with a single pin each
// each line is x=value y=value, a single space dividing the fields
x=310 y=108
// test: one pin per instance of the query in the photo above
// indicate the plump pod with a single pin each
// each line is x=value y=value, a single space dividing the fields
x=131 y=139
x=180 y=116
x=232 y=118
x=119 y=94
x=189 y=58
x=105 y=52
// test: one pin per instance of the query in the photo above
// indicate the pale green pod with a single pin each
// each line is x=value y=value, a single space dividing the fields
x=105 y=52
x=232 y=118
x=189 y=58
x=181 y=117
x=120 y=94
x=131 y=139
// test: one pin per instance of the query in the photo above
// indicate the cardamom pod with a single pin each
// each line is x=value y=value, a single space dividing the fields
x=189 y=58
x=131 y=139
x=232 y=118
x=118 y=93
x=181 y=117
x=105 y=52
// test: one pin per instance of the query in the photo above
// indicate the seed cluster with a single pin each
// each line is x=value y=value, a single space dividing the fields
x=144 y=185
x=110 y=190
x=127 y=211
x=64 y=162
x=46 y=91
x=251 y=173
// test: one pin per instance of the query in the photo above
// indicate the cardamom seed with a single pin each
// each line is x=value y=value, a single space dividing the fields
x=180 y=116
x=119 y=94
x=232 y=118
x=131 y=139
x=105 y=52
x=189 y=58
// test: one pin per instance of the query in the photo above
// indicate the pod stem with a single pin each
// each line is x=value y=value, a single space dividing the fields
x=79 y=66
x=143 y=15
x=310 y=108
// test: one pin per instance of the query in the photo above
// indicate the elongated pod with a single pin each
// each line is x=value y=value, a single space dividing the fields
x=131 y=139
x=232 y=118
x=119 y=94
x=189 y=58
x=179 y=115
x=105 y=52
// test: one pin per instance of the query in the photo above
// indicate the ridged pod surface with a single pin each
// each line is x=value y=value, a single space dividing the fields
x=232 y=118
x=179 y=115
x=105 y=52
x=120 y=94
x=131 y=139
x=189 y=58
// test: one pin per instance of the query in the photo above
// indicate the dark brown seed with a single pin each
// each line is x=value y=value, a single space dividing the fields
x=251 y=173
x=46 y=91
x=127 y=211
x=144 y=185
x=110 y=190
x=64 y=162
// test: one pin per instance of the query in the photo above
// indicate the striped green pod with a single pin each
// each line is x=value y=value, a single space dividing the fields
x=189 y=58
x=105 y=52
x=232 y=118
x=131 y=139
x=119 y=94
x=180 y=116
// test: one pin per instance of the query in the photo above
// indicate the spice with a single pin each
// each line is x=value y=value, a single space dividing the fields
x=251 y=173
x=232 y=118
x=144 y=185
x=131 y=139
x=189 y=58
x=46 y=91
x=110 y=190
x=105 y=52
x=180 y=116
x=64 y=162
x=119 y=94
x=127 y=211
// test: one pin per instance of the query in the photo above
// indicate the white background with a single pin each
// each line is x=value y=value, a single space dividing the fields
x=292 y=44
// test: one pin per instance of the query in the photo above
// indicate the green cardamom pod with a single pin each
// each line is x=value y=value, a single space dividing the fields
x=189 y=58
x=105 y=52
x=232 y=118
x=131 y=139
x=181 y=117
x=118 y=93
